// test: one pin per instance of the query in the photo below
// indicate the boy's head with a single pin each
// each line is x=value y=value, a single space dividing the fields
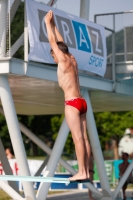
x=63 y=47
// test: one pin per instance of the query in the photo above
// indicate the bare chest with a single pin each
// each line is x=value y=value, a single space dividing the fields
x=61 y=76
x=66 y=77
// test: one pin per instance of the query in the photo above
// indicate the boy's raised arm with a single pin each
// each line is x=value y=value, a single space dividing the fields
x=52 y=31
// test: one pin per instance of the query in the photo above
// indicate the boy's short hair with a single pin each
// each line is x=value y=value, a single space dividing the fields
x=62 y=46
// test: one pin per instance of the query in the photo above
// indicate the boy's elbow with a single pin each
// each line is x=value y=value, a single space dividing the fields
x=51 y=41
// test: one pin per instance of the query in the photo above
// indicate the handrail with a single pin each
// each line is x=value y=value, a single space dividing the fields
x=115 y=13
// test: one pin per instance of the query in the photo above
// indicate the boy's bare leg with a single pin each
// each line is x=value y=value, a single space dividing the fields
x=87 y=145
x=74 y=122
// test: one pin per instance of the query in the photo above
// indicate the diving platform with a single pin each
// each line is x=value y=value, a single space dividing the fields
x=35 y=89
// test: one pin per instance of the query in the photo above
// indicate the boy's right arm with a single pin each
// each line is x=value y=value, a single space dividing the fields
x=52 y=37
x=57 y=33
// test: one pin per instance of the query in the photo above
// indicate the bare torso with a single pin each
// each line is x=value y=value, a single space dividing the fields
x=68 y=78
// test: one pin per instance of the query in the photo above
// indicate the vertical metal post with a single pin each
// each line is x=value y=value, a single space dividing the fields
x=15 y=134
x=125 y=45
x=84 y=9
x=8 y=31
x=54 y=159
x=6 y=166
x=25 y=37
x=3 y=26
x=113 y=51
x=25 y=34
x=95 y=144
x=95 y=18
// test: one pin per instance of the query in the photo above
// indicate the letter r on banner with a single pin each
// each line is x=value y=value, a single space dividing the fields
x=66 y=30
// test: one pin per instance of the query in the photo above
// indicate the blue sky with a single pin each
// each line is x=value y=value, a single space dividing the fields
x=96 y=6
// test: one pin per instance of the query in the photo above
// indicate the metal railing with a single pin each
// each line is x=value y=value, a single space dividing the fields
x=118 y=31
x=119 y=37
x=121 y=24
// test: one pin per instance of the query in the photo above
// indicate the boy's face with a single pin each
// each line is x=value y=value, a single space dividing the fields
x=54 y=57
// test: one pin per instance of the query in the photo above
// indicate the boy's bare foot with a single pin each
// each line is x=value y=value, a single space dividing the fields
x=78 y=176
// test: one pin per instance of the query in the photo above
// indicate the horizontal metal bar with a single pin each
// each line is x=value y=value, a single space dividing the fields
x=109 y=29
x=119 y=54
x=115 y=13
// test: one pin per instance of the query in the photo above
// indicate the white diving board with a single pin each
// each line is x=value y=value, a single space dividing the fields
x=39 y=179
x=34 y=179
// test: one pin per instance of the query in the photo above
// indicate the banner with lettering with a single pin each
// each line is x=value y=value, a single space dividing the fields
x=86 y=40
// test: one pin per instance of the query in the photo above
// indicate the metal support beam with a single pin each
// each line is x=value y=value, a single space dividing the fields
x=84 y=9
x=51 y=2
x=3 y=26
x=42 y=166
x=25 y=34
x=6 y=166
x=17 y=44
x=39 y=171
x=96 y=148
x=44 y=147
x=10 y=191
x=125 y=45
x=113 y=51
x=15 y=134
x=25 y=38
x=14 y=9
x=54 y=159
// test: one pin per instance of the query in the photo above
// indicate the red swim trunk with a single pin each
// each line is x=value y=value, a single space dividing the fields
x=78 y=103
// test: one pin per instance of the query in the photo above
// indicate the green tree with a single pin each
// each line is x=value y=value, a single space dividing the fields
x=111 y=125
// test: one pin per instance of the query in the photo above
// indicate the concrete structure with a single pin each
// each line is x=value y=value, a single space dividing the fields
x=22 y=83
